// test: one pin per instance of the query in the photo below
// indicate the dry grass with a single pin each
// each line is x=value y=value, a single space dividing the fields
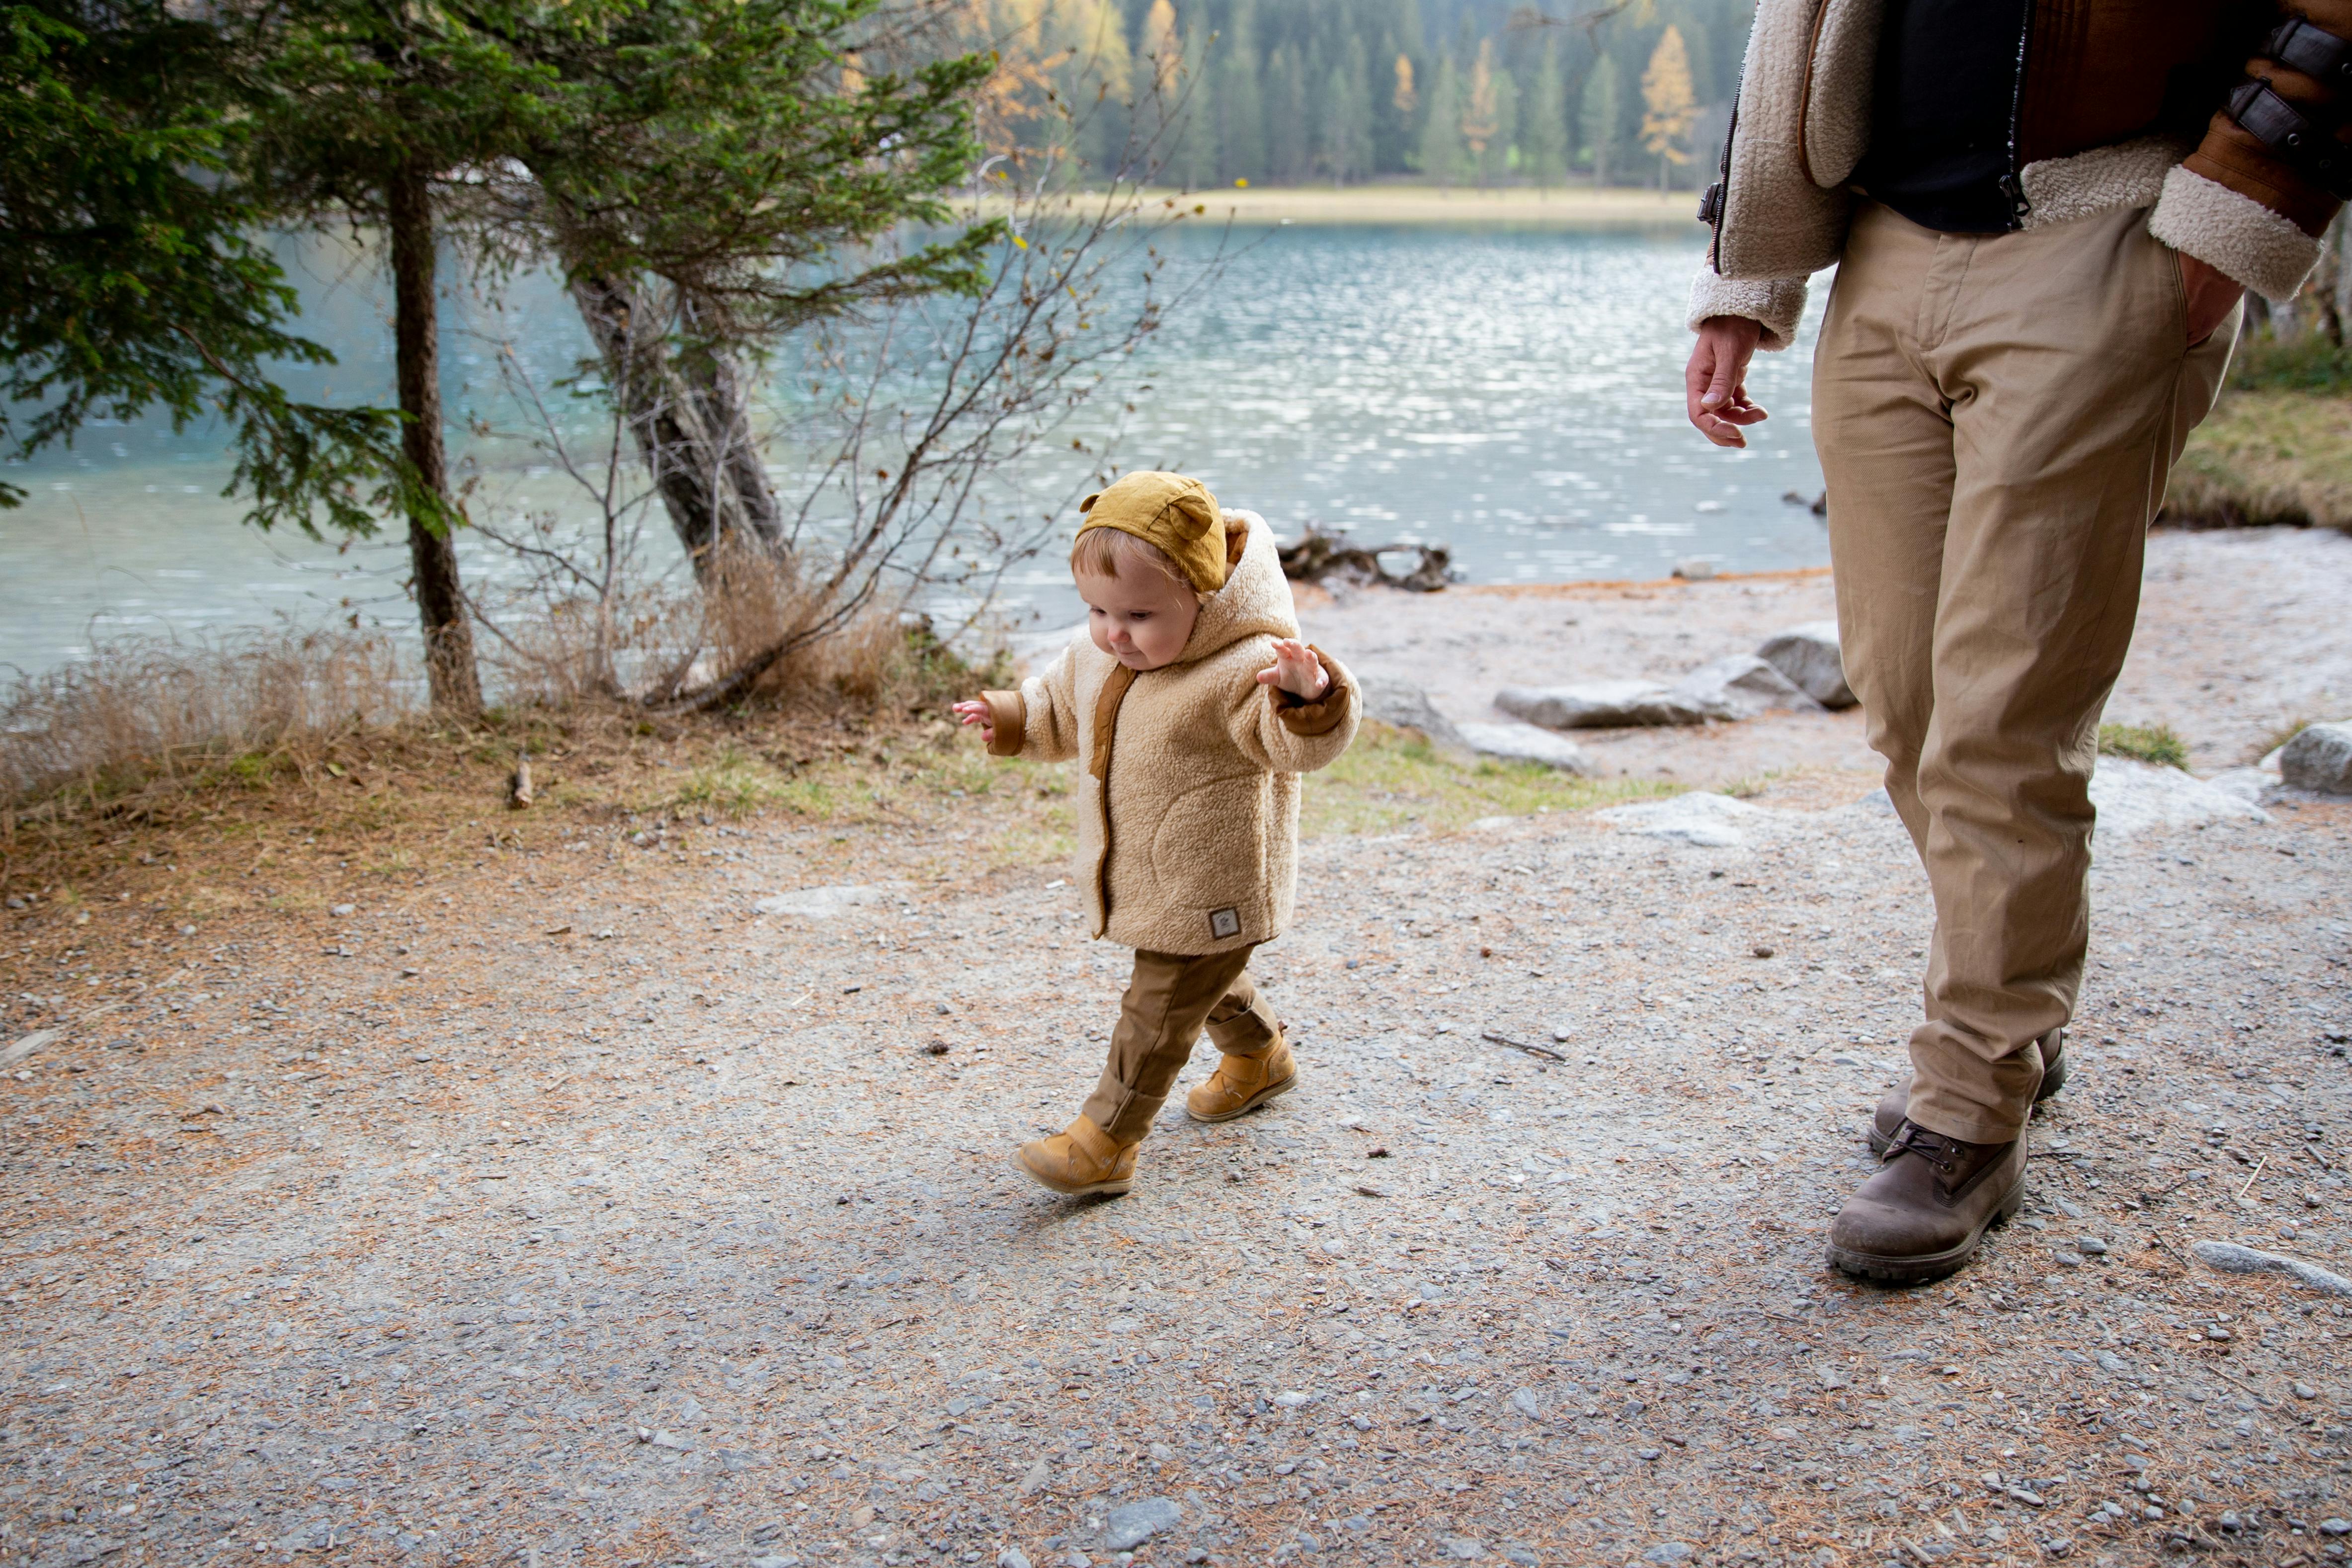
x=140 y=711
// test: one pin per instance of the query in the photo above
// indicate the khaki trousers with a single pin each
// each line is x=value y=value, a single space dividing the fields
x=1168 y=1000
x=1996 y=417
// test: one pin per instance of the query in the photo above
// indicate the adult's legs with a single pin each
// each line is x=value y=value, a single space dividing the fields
x=1996 y=417
x=2072 y=389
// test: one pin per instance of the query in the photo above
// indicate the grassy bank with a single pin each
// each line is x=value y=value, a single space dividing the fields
x=311 y=821
x=2277 y=448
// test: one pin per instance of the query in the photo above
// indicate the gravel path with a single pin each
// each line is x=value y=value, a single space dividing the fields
x=431 y=1231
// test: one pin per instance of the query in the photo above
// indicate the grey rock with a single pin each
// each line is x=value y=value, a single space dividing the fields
x=818 y=903
x=1408 y=707
x=2319 y=758
x=2335 y=1527
x=2110 y=1361
x=1669 y=1552
x=778 y=1560
x=1039 y=1475
x=1701 y=817
x=1808 y=655
x=2232 y=1259
x=2229 y=1521
x=2135 y=797
x=1012 y=1557
x=1523 y=1401
x=2091 y=1246
x=1598 y=705
x=2304 y=1391
x=1740 y=686
x=1131 y=1525
x=1525 y=743
x=1462 y=1547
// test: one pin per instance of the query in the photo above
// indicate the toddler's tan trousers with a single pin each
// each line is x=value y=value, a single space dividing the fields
x=1996 y=417
x=1168 y=1000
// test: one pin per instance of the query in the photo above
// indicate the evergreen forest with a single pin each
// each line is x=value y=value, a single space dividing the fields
x=1468 y=92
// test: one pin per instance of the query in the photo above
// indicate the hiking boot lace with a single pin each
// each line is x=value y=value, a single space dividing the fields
x=1932 y=1147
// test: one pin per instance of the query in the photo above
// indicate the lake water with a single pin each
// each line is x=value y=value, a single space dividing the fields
x=1514 y=394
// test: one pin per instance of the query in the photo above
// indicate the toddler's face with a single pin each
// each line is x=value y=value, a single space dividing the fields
x=1143 y=618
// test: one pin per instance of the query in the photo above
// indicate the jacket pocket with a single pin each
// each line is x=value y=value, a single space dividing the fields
x=1209 y=849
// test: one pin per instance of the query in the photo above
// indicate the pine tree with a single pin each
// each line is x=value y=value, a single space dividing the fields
x=1601 y=113
x=1240 y=116
x=1496 y=163
x=1670 y=107
x=1441 y=133
x=1194 y=156
x=1158 y=88
x=1546 y=138
x=1344 y=147
x=1287 y=149
x=1480 y=123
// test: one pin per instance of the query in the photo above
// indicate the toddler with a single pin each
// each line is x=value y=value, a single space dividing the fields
x=1196 y=707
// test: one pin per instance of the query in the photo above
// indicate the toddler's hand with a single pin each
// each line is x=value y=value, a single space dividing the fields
x=1296 y=670
x=976 y=712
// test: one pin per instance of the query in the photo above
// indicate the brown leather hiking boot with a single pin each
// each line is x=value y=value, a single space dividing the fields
x=1896 y=1102
x=1927 y=1209
x=1243 y=1083
x=1079 y=1161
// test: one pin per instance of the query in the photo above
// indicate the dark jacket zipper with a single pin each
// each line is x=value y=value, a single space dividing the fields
x=2012 y=185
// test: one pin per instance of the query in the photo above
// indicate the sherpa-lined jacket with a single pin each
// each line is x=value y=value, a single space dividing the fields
x=1188 y=811
x=2096 y=124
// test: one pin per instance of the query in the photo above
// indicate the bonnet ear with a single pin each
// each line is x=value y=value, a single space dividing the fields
x=1088 y=504
x=1236 y=538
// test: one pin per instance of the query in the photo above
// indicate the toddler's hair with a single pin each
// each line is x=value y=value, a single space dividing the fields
x=1099 y=551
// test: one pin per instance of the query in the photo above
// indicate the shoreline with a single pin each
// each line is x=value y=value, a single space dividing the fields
x=1569 y=207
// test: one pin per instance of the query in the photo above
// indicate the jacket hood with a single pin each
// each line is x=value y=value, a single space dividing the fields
x=1255 y=602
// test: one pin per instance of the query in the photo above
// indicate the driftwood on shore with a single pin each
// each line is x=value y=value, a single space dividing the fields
x=1319 y=554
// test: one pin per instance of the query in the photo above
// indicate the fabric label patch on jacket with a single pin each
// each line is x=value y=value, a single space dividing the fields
x=1223 y=923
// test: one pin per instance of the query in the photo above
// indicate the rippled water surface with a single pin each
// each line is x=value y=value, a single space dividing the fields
x=1515 y=395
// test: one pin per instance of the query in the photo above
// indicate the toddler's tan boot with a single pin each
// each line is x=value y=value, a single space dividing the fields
x=1078 y=1161
x=1243 y=1083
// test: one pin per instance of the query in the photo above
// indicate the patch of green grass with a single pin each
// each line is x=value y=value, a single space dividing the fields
x=2145 y=743
x=737 y=785
x=2266 y=456
x=2309 y=363
x=1392 y=779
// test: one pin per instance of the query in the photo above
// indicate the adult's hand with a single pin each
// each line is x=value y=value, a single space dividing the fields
x=1715 y=383
x=2210 y=293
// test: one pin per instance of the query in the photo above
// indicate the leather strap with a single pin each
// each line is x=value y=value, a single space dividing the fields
x=2308 y=148
x=2317 y=53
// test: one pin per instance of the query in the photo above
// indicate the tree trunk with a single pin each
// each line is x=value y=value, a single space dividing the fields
x=691 y=421
x=456 y=685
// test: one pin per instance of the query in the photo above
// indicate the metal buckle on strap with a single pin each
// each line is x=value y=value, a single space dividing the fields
x=1710 y=203
x=2286 y=131
x=2314 y=51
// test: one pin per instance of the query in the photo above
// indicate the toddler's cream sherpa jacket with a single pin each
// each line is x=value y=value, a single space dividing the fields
x=1189 y=808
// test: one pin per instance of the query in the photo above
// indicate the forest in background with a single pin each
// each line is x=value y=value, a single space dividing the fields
x=1458 y=91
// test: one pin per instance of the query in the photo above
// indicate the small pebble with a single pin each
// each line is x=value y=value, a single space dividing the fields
x=1646 y=1453
x=2304 y=1391
x=2091 y=1246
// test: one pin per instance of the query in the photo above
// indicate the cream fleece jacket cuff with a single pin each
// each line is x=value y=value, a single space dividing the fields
x=1776 y=304
x=2234 y=234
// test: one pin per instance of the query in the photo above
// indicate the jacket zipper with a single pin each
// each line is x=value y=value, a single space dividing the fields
x=1716 y=200
x=2011 y=184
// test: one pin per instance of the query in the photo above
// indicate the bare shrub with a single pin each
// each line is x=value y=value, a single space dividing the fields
x=139 y=710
